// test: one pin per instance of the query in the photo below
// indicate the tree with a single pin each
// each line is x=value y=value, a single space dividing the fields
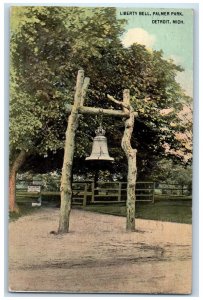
x=48 y=46
x=170 y=172
x=43 y=71
x=156 y=96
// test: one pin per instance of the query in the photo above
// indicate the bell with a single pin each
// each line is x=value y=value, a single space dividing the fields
x=99 y=148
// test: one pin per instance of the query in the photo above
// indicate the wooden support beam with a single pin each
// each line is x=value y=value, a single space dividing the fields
x=75 y=111
x=105 y=111
x=66 y=178
x=131 y=157
x=124 y=105
x=84 y=89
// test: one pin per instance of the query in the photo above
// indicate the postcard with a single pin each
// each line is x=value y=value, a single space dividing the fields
x=100 y=133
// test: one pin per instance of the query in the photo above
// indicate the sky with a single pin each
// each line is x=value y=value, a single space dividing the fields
x=172 y=32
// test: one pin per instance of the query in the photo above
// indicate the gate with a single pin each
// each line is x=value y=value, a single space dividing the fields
x=87 y=192
x=110 y=192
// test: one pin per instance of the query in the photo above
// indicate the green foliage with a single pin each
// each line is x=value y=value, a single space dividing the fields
x=49 y=45
x=167 y=171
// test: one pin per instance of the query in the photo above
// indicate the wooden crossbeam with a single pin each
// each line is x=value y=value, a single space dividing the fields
x=95 y=111
x=105 y=111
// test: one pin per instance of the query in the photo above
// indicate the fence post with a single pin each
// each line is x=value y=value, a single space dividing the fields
x=85 y=196
x=92 y=200
x=153 y=192
x=119 y=191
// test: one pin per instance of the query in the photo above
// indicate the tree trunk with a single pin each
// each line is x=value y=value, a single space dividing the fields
x=12 y=180
x=131 y=157
x=132 y=169
x=66 y=184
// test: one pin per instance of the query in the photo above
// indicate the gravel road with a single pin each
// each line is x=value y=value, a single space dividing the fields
x=98 y=255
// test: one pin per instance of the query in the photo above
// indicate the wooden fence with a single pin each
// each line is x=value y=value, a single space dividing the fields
x=87 y=192
x=117 y=192
x=170 y=190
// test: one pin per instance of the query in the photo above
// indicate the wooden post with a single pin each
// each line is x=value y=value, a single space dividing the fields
x=93 y=187
x=131 y=157
x=119 y=191
x=153 y=192
x=84 y=203
x=66 y=188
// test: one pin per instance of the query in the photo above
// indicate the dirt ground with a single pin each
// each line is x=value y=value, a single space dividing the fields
x=98 y=255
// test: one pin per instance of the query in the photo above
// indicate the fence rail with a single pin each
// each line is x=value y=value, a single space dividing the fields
x=88 y=192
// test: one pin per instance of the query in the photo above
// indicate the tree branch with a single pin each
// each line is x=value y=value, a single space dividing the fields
x=118 y=102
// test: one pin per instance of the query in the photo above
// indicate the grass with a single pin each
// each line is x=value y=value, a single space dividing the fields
x=24 y=209
x=178 y=211
x=170 y=211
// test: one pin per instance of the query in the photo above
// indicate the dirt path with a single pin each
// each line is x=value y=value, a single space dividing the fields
x=98 y=255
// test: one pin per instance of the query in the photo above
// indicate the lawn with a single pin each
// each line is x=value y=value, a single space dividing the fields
x=170 y=211
x=25 y=209
x=165 y=210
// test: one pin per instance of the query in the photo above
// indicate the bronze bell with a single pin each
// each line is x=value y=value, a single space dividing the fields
x=99 y=148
